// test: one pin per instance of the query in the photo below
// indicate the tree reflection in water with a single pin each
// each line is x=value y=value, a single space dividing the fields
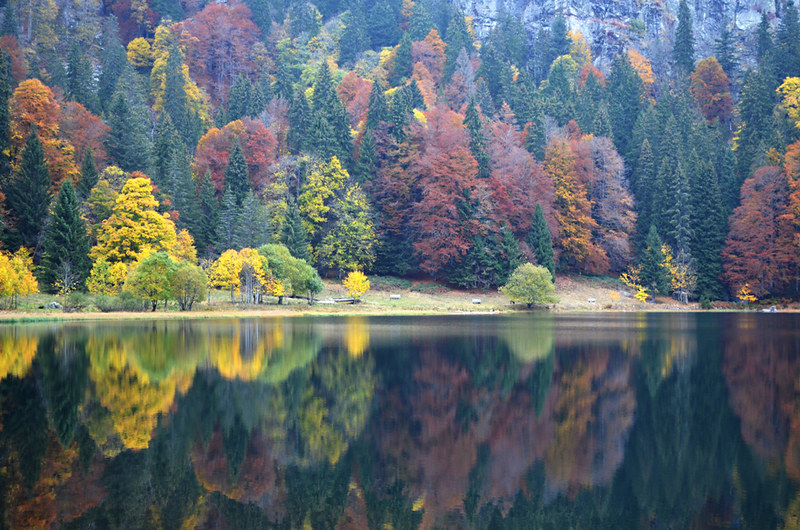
x=532 y=421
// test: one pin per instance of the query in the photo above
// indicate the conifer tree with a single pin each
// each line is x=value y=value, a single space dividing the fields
x=764 y=44
x=253 y=226
x=228 y=218
x=653 y=274
x=165 y=149
x=755 y=110
x=80 y=79
x=89 y=175
x=299 y=122
x=113 y=61
x=378 y=110
x=239 y=99
x=5 y=131
x=419 y=24
x=284 y=79
x=678 y=232
x=511 y=255
x=207 y=214
x=559 y=41
x=382 y=23
x=787 y=51
x=541 y=242
x=683 y=51
x=477 y=143
x=29 y=194
x=624 y=98
x=258 y=99
x=237 y=175
x=128 y=143
x=294 y=234
x=354 y=37
x=175 y=100
x=401 y=68
x=65 y=252
x=458 y=38
x=328 y=108
x=643 y=183
x=725 y=52
x=9 y=25
x=708 y=230
x=366 y=167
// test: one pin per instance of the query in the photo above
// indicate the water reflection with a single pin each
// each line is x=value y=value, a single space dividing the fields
x=551 y=421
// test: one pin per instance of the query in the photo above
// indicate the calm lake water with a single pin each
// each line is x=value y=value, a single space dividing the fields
x=551 y=421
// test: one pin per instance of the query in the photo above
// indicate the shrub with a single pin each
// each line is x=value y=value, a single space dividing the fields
x=530 y=284
x=389 y=283
x=429 y=288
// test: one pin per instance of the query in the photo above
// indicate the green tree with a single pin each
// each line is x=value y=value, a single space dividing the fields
x=65 y=254
x=10 y=26
x=383 y=24
x=294 y=234
x=458 y=38
x=81 y=85
x=253 y=225
x=207 y=214
x=419 y=24
x=401 y=68
x=530 y=284
x=708 y=230
x=299 y=122
x=29 y=194
x=559 y=41
x=113 y=60
x=237 y=175
x=188 y=284
x=624 y=102
x=5 y=131
x=367 y=164
x=787 y=52
x=128 y=143
x=541 y=242
x=239 y=98
x=653 y=274
x=683 y=50
x=725 y=51
x=477 y=142
x=228 y=217
x=330 y=127
x=151 y=279
x=354 y=38
x=378 y=110
x=89 y=175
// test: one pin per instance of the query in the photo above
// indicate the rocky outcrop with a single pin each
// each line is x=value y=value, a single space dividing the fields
x=612 y=25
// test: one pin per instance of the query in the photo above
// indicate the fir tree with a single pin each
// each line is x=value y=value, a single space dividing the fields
x=9 y=25
x=378 y=110
x=787 y=51
x=299 y=122
x=239 y=99
x=708 y=230
x=558 y=40
x=175 y=101
x=643 y=182
x=89 y=175
x=510 y=253
x=165 y=148
x=80 y=79
x=253 y=226
x=401 y=68
x=258 y=100
x=28 y=196
x=683 y=51
x=458 y=38
x=541 y=242
x=284 y=79
x=207 y=215
x=327 y=107
x=128 y=143
x=764 y=44
x=65 y=252
x=113 y=61
x=653 y=274
x=755 y=110
x=383 y=24
x=678 y=232
x=237 y=175
x=228 y=218
x=354 y=38
x=477 y=143
x=624 y=98
x=725 y=52
x=366 y=168
x=419 y=24
x=5 y=131
x=293 y=233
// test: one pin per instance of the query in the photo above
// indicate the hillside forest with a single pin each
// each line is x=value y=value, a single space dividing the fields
x=252 y=143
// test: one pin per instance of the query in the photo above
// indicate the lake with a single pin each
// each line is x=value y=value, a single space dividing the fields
x=536 y=420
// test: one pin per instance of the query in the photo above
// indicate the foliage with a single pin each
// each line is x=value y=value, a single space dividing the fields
x=357 y=284
x=16 y=276
x=106 y=278
x=530 y=284
x=188 y=284
x=151 y=278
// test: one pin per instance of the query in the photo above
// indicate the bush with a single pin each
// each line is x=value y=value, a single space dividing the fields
x=389 y=283
x=705 y=303
x=530 y=284
x=124 y=302
x=429 y=288
x=76 y=301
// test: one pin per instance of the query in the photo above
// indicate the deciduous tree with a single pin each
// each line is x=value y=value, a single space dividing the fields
x=530 y=284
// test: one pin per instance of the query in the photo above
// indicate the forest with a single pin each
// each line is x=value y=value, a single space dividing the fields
x=254 y=146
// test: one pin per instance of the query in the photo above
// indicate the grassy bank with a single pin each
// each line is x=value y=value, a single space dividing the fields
x=576 y=294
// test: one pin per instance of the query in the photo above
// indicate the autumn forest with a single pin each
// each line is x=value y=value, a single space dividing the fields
x=257 y=146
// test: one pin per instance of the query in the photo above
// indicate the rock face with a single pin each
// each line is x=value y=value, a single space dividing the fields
x=612 y=25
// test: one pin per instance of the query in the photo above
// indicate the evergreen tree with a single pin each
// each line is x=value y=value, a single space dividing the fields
x=511 y=255
x=176 y=103
x=128 y=143
x=354 y=38
x=10 y=25
x=253 y=226
x=228 y=218
x=419 y=24
x=328 y=109
x=764 y=44
x=383 y=23
x=207 y=215
x=477 y=143
x=237 y=175
x=787 y=51
x=725 y=52
x=29 y=194
x=366 y=168
x=601 y=125
x=239 y=98
x=458 y=38
x=708 y=230
x=683 y=51
x=643 y=183
x=258 y=99
x=89 y=175
x=65 y=252
x=624 y=98
x=113 y=60
x=755 y=110
x=284 y=79
x=5 y=131
x=165 y=148
x=401 y=68
x=378 y=110
x=294 y=234
x=558 y=39
x=80 y=79
x=678 y=232
x=541 y=242
x=653 y=274
x=299 y=122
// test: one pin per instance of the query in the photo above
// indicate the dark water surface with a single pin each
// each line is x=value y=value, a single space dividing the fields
x=531 y=421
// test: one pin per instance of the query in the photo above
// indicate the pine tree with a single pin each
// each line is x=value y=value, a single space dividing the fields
x=755 y=110
x=327 y=107
x=419 y=24
x=239 y=98
x=653 y=274
x=683 y=51
x=228 y=218
x=643 y=183
x=253 y=226
x=207 y=215
x=80 y=79
x=165 y=147
x=383 y=23
x=258 y=100
x=458 y=38
x=89 y=175
x=477 y=142
x=678 y=232
x=708 y=230
x=294 y=234
x=725 y=52
x=624 y=98
x=366 y=167
x=401 y=68
x=764 y=44
x=378 y=110
x=787 y=52
x=65 y=252
x=541 y=242
x=28 y=197
x=354 y=38
x=175 y=101
x=299 y=122
x=284 y=79
x=237 y=175
x=128 y=143
x=511 y=255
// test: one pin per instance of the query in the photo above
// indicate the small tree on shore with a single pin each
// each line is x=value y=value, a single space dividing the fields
x=530 y=284
x=356 y=284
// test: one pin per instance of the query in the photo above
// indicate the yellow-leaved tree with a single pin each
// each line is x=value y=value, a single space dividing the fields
x=224 y=272
x=318 y=192
x=16 y=276
x=790 y=98
x=356 y=284
x=135 y=229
